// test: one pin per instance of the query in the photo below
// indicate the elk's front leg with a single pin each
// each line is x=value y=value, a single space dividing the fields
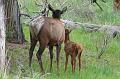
x=51 y=56
x=58 y=48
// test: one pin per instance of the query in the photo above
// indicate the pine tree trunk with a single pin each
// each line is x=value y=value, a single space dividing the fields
x=2 y=37
x=14 y=32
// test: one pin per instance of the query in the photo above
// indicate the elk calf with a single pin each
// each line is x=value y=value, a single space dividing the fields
x=73 y=50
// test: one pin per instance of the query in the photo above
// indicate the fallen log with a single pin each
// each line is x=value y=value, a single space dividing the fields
x=111 y=30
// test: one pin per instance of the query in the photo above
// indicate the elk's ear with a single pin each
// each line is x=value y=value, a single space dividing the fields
x=64 y=10
x=50 y=8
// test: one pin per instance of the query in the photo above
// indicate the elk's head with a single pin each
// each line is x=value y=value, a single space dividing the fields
x=57 y=13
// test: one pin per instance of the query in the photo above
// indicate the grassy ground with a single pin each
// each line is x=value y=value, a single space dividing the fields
x=108 y=67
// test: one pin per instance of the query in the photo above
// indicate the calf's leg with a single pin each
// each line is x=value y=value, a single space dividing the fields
x=79 y=58
x=66 y=62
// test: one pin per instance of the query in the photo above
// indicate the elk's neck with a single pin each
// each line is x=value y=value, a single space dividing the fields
x=56 y=18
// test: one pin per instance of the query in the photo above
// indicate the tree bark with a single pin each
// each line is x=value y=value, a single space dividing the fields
x=2 y=37
x=14 y=32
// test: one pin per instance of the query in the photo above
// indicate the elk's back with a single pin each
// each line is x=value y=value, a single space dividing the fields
x=53 y=30
x=35 y=25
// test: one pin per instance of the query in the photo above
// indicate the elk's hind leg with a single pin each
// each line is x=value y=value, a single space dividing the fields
x=32 y=47
x=39 y=54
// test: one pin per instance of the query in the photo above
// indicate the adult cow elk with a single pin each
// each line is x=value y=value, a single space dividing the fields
x=51 y=33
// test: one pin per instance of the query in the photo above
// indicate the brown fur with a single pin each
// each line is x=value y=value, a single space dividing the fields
x=52 y=33
x=116 y=4
x=73 y=49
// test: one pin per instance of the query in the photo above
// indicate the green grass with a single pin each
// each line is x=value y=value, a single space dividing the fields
x=92 y=68
x=108 y=67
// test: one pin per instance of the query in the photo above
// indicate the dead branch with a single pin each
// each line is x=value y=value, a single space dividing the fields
x=20 y=65
x=95 y=1
x=27 y=15
x=106 y=41
x=38 y=4
x=103 y=1
x=73 y=25
x=110 y=30
x=59 y=2
x=99 y=6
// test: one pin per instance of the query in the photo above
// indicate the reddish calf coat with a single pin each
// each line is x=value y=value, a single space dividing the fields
x=73 y=49
x=116 y=4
